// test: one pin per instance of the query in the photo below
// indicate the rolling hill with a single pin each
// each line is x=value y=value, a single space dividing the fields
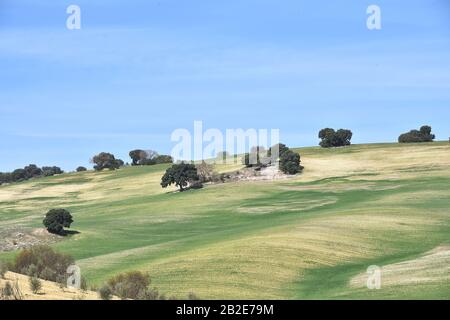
x=309 y=237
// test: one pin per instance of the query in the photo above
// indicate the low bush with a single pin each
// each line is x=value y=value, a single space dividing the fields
x=130 y=285
x=3 y=269
x=35 y=285
x=42 y=262
x=11 y=291
x=105 y=292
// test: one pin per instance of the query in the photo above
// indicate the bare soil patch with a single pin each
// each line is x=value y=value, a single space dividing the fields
x=20 y=238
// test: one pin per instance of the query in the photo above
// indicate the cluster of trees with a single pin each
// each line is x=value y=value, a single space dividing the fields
x=332 y=138
x=422 y=135
x=105 y=160
x=28 y=172
x=148 y=157
x=289 y=161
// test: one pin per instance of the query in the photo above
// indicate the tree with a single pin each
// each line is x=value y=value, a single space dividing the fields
x=282 y=148
x=51 y=171
x=290 y=162
x=137 y=156
x=258 y=157
x=81 y=169
x=331 y=138
x=32 y=171
x=106 y=160
x=181 y=175
x=422 y=135
x=56 y=220
x=19 y=175
x=5 y=177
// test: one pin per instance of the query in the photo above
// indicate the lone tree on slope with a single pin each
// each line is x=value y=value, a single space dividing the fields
x=182 y=175
x=56 y=220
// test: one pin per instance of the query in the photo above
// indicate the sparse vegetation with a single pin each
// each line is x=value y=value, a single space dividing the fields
x=56 y=220
x=11 y=291
x=42 y=262
x=3 y=269
x=131 y=285
x=348 y=198
x=422 y=135
x=35 y=284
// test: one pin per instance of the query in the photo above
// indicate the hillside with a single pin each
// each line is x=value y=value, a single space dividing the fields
x=49 y=291
x=312 y=236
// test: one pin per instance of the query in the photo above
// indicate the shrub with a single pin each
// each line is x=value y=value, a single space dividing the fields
x=39 y=258
x=150 y=294
x=35 y=284
x=83 y=284
x=422 y=135
x=205 y=172
x=331 y=138
x=105 y=292
x=7 y=291
x=56 y=220
x=181 y=175
x=130 y=285
x=3 y=269
x=11 y=292
x=81 y=169
x=192 y=296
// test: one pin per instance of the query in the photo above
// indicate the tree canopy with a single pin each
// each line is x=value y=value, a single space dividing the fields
x=182 y=175
x=106 y=160
x=56 y=220
x=422 y=135
x=331 y=138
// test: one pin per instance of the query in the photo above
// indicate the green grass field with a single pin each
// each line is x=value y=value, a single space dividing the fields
x=309 y=237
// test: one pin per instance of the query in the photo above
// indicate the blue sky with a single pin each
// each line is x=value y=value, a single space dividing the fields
x=137 y=70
